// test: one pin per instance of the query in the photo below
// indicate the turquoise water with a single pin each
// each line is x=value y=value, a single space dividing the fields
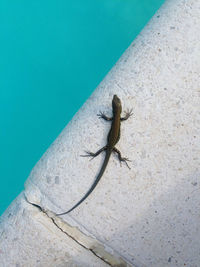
x=52 y=56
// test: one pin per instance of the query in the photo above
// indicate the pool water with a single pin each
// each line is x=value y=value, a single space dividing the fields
x=53 y=55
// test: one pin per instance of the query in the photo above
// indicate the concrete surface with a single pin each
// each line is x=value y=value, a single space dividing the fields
x=146 y=216
x=32 y=239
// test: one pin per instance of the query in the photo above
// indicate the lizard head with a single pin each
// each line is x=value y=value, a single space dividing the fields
x=116 y=104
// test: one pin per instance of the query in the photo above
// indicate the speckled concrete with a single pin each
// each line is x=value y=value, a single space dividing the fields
x=150 y=214
x=29 y=238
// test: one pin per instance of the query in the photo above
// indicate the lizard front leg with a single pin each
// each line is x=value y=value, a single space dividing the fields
x=128 y=114
x=101 y=115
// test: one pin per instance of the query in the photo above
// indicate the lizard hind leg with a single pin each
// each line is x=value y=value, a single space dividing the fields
x=93 y=155
x=120 y=157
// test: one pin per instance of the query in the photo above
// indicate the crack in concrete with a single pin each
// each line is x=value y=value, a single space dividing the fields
x=96 y=247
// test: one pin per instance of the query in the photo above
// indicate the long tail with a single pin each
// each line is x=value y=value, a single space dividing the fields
x=108 y=153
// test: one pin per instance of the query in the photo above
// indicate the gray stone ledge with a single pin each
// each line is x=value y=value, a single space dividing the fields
x=146 y=216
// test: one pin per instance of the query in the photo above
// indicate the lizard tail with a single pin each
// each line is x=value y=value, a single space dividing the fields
x=105 y=163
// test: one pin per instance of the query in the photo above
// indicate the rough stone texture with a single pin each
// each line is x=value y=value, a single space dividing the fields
x=30 y=238
x=149 y=214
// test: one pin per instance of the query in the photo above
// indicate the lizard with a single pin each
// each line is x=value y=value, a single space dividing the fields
x=112 y=139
